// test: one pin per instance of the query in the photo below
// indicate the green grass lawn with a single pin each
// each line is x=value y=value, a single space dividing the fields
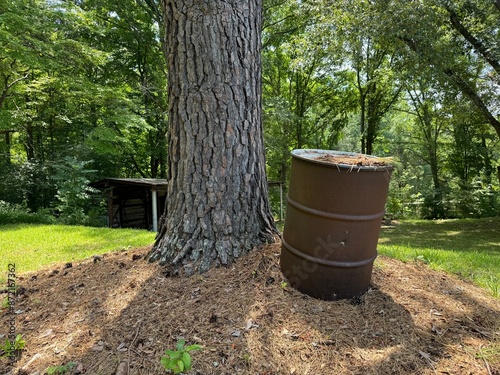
x=35 y=246
x=468 y=248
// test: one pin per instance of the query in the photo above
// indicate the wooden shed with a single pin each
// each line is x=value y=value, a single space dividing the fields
x=134 y=202
x=139 y=202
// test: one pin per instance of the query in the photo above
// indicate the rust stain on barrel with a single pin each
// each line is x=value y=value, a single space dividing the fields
x=332 y=225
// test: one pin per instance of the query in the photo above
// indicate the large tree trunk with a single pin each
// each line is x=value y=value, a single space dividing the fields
x=217 y=202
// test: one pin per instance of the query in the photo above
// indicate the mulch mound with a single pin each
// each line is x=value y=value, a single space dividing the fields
x=117 y=314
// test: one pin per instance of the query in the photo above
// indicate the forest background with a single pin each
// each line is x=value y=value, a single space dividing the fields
x=83 y=97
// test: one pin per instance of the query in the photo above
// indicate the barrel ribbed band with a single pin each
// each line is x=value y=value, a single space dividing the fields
x=327 y=262
x=329 y=215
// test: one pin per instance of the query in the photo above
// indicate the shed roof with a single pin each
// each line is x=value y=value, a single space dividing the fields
x=147 y=182
x=154 y=183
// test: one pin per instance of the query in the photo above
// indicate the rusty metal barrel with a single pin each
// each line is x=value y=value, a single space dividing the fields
x=333 y=219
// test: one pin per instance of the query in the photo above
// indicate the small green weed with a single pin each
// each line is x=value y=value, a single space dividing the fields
x=490 y=353
x=494 y=286
x=428 y=256
x=179 y=360
x=247 y=359
x=5 y=303
x=62 y=369
x=12 y=349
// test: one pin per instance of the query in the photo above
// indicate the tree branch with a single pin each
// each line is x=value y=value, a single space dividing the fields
x=8 y=86
x=497 y=4
x=17 y=80
x=472 y=95
x=476 y=43
x=460 y=83
x=151 y=7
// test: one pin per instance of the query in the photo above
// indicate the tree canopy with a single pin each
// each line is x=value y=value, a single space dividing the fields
x=83 y=88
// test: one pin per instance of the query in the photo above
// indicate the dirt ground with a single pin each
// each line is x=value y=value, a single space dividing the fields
x=117 y=315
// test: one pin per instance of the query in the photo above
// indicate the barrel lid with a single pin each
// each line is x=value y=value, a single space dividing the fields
x=343 y=159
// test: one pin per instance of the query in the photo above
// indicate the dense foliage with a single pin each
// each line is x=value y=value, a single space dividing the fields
x=82 y=97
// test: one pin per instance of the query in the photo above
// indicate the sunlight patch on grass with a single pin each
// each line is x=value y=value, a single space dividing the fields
x=32 y=247
x=468 y=248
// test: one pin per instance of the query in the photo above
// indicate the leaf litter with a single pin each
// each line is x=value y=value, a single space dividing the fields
x=118 y=315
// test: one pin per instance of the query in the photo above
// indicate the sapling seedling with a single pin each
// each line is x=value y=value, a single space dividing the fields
x=179 y=360
x=62 y=369
x=12 y=348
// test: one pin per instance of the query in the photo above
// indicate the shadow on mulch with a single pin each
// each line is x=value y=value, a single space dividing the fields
x=117 y=314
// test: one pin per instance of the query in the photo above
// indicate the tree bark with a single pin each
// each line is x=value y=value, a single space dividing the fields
x=217 y=200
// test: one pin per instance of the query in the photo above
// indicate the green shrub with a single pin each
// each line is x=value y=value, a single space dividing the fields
x=73 y=191
x=16 y=214
x=62 y=369
x=476 y=199
x=28 y=184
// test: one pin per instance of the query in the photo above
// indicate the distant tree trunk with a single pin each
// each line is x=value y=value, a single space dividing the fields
x=431 y=135
x=438 y=207
x=362 y=102
x=371 y=129
x=30 y=141
x=8 y=160
x=217 y=199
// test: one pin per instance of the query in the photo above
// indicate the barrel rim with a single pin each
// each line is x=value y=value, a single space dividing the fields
x=306 y=154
